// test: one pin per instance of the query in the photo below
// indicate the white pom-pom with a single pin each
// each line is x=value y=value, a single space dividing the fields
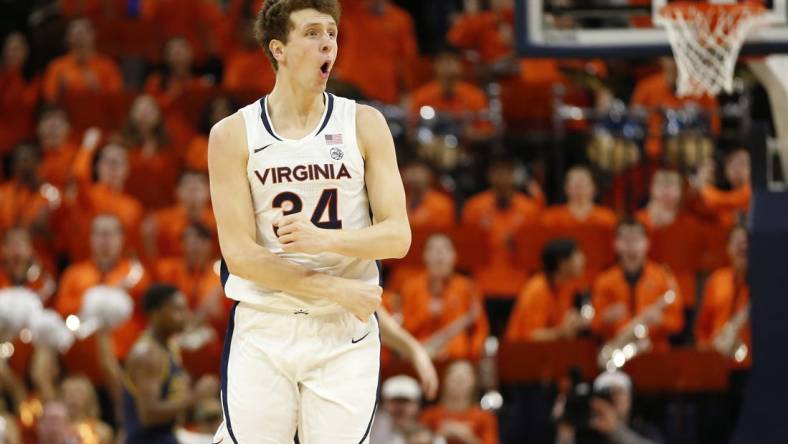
x=18 y=306
x=49 y=329
x=103 y=307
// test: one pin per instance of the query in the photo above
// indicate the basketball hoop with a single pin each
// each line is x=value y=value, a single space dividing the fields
x=706 y=39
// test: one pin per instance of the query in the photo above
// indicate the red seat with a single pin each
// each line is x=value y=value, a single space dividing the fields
x=471 y=245
x=191 y=104
x=104 y=110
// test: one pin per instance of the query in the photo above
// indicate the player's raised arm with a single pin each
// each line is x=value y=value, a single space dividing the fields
x=389 y=235
x=235 y=221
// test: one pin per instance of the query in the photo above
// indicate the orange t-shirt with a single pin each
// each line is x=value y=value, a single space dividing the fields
x=248 y=71
x=199 y=285
x=484 y=424
x=500 y=276
x=435 y=211
x=540 y=306
x=56 y=165
x=725 y=294
x=170 y=224
x=77 y=279
x=424 y=314
x=594 y=234
x=19 y=205
x=653 y=92
x=92 y=199
x=101 y=199
x=722 y=209
x=485 y=33
x=377 y=51
x=547 y=71
x=166 y=95
x=153 y=177
x=18 y=100
x=611 y=287
x=680 y=246
x=196 y=157
x=466 y=98
x=726 y=205
x=66 y=73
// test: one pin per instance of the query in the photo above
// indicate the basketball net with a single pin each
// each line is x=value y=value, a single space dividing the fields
x=706 y=39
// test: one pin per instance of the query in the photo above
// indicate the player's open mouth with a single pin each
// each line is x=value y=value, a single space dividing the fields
x=325 y=68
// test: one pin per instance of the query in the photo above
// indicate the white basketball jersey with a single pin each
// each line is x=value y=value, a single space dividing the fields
x=321 y=176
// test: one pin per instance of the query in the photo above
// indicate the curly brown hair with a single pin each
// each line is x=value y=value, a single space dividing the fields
x=273 y=21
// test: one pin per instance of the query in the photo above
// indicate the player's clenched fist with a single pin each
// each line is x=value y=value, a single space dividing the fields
x=359 y=298
x=297 y=234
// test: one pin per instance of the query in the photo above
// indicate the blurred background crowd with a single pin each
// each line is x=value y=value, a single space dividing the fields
x=568 y=217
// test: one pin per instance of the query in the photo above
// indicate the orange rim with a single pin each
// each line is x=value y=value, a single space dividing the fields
x=711 y=9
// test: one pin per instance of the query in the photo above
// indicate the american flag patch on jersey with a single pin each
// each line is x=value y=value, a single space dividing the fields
x=333 y=139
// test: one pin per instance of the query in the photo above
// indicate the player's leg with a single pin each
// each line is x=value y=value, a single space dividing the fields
x=258 y=393
x=339 y=393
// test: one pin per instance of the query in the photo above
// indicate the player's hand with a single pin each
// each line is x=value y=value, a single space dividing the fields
x=358 y=297
x=206 y=387
x=297 y=234
x=426 y=371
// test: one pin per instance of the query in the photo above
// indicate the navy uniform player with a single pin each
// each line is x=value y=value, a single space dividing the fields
x=307 y=196
x=156 y=393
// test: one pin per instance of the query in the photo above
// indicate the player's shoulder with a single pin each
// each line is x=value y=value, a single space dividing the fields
x=228 y=126
x=371 y=126
x=228 y=133
x=368 y=115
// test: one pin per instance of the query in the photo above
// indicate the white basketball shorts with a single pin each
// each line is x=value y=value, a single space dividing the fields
x=284 y=373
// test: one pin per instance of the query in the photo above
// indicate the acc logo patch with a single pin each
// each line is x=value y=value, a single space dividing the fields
x=336 y=153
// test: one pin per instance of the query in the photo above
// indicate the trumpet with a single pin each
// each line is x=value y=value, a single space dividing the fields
x=728 y=341
x=634 y=339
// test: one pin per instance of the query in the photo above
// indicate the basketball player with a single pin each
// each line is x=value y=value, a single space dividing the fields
x=156 y=390
x=307 y=195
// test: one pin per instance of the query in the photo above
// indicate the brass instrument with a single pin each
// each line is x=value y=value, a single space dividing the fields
x=634 y=339
x=728 y=340
x=488 y=376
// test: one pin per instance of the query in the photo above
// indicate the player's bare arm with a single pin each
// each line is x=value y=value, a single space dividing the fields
x=146 y=368
x=389 y=234
x=235 y=221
